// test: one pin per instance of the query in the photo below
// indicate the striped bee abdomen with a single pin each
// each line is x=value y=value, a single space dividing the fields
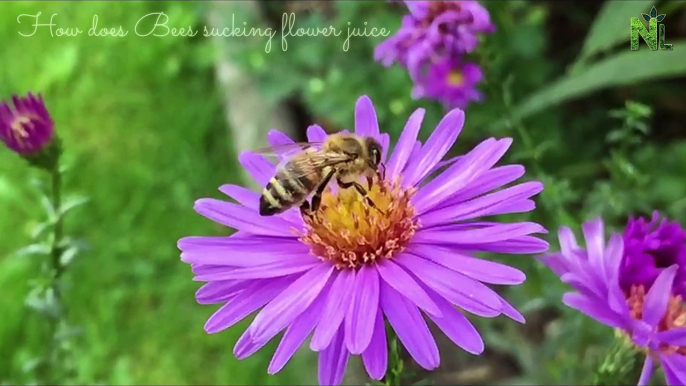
x=283 y=192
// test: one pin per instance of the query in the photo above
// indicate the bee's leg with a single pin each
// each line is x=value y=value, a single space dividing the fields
x=317 y=197
x=305 y=209
x=382 y=171
x=360 y=189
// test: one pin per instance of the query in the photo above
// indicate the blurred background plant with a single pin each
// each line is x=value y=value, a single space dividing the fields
x=152 y=125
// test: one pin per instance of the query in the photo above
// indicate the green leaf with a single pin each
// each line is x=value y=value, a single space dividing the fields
x=71 y=203
x=67 y=257
x=39 y=229
x=653 y=12
x=611 y=26
x=48 y=206
x=33 y=249
x=646 y=17
x=661 y=17
x=625 y=68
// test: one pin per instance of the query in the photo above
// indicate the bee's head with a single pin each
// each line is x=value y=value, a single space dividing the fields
x=374 y=151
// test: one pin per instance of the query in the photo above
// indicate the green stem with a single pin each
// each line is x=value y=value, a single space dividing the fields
x=395 y=363
x=56 y=271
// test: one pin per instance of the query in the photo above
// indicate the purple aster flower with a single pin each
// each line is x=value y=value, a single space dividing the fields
x=652 y=316
x=27 y=128
x=649 y=248
x=342 y=272
x=434 y=29
x=451 y=82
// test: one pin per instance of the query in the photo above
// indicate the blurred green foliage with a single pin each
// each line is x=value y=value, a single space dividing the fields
x=143 y=124
x=145 y=136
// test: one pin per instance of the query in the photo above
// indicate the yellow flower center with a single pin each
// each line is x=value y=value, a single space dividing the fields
x=349 y=232
x=455 y=78
x=675 y=316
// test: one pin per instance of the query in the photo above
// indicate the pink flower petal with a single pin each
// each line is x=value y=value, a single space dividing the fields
x=410 y=327
x=359 y=322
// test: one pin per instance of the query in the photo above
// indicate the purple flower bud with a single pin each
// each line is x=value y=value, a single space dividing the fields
x=26 y=128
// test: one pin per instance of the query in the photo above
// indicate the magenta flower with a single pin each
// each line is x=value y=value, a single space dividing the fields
x=652 y=316
x=650 y=247
x=27 y=128
x=434 y=29
x=451 y=82
x=340 y=274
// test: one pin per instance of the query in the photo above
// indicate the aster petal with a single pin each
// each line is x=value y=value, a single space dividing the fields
x=613 y=255
x=359 y=322
x=445 y=163
x=256 y=295
x=245 y=346
x=410 y=327
x=491 y=179
x=511 y=312
x=460 y=174
x=457 y=327
x=674 y=367
x=405 y=144
x=258 y=166
x=595 y=310
x=436 y=147
x=333 y=361
x=241 y=252
x=384 y=141
x=219 y=291
x=269 y=270
x=375 y=356
x=595 y=244
x=673 y=337
x=617 y=299
x=656 y=299
x=587 y=285
x=488 y=205
x=416 y=8
x=556 y=262
x=242 y=218
x=449 y=235
x=242 y=195
x=646 y=372
x=453 y=286
x=336 y=307
x=483 y=270
x=568 y=244
x=401 y=281
x=297 y=332
x=277 y=138
x=520 y=245
x=315 y=133
x=366 y=123
x=290 y=303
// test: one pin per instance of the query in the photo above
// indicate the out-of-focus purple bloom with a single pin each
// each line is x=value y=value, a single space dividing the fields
x=652 y=316
x=451 y=82
x=649 y=248
x=341 y=273
x=26 y=128
x=432 y=30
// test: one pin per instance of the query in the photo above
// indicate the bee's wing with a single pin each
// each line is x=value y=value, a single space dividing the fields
x=287 y=150
x=298 y=167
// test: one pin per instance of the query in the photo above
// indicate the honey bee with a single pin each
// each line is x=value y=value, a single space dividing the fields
x=342 y=157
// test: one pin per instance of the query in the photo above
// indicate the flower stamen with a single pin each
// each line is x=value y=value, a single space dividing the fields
x=347 y=231
x=675 y=316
